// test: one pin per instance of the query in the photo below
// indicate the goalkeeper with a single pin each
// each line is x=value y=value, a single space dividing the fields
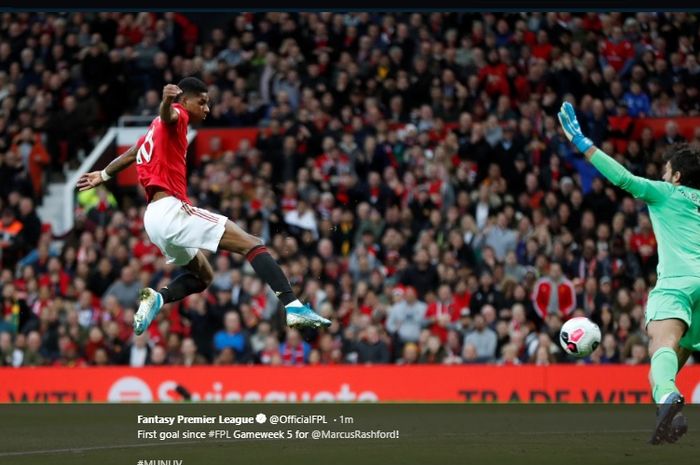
x=673 y=308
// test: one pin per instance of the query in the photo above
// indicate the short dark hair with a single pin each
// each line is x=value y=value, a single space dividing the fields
x=685 y=159
x=192 y=85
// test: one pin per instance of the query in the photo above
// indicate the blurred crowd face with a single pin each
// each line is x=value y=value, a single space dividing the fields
x=34 y=341
x=410 y=353
x=293 y=338
x=232 y=322
x=555 y=271
x=411 y=295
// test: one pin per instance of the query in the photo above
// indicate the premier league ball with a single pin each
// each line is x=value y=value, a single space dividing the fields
x=579 y=336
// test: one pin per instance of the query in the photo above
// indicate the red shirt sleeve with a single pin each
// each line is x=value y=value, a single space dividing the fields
x=183 y=118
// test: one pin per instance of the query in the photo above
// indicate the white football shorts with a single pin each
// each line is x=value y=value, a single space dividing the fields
x=179 y=230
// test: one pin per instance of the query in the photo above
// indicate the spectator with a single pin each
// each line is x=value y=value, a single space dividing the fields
x=639 y=355
x=302 y=219
x=101 y=358
x=554 y=293
x=11 y=240
x=138 y=352
x=499 y=237
x=270 y=355
x=483 y=339
x=434 y=351
x=509 y=355
x=485 y=294
x=68 y=353
x=610 y=350
x=32 y=354
x=637 y=102
x=158 y=356
x=294 y=351
x=226 y=357
x=234 y=337
x=31 y=224
x=406 y=318
x=125 y=289
x=617 y=52
x=35 y=158
x=543 y=357
x=371 y=349
x=55 y=279
x=442 y=314
x=95 y=343
x=16 y=315
x=222 y=274
x=115 y=346
x=470 y=354
x=671 y=135
x=410 y=354
x=66 y=130
x=422 y=277
x=102 y=278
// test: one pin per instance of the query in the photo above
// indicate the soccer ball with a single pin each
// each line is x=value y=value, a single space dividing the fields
x=579 y=336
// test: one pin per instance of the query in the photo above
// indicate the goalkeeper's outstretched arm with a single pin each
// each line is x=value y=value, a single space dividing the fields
x=617 y=174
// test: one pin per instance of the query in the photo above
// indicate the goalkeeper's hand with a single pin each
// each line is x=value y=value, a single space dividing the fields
x=569 y=123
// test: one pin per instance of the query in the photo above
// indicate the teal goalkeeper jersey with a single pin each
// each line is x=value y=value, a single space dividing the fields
x=674 y=213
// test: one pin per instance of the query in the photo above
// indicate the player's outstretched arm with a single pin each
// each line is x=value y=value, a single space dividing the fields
x=615 y=173
x=569 y=123
x=167 y=113
x=93 y=179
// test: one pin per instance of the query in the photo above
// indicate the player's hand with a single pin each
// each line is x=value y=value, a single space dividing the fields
x=89 y=180
x=569 y=123
x=171 y=91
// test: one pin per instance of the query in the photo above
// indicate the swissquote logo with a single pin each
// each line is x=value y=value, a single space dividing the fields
x=130 y=389
x=134 y=389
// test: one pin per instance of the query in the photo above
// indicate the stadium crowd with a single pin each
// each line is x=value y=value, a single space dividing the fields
x=409 y=175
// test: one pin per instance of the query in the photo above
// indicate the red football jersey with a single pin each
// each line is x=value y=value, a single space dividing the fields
x=617 y=54
x=161 y=157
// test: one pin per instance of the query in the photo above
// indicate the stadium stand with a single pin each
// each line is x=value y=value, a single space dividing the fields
x=407 y=171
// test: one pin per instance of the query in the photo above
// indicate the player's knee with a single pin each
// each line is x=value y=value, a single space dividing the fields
x=252 y=242
x=658 y=341
x=241 y=242
x=207 y=276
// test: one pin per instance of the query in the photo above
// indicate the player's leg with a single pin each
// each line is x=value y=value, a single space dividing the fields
x=683 y=356
x=198 y=277
x=236 y=240
x=664 y=336
x=679 y=424
x=663 y=346
x=673 y=306
x=668 y=316
x=178 y=231
x=688 y=343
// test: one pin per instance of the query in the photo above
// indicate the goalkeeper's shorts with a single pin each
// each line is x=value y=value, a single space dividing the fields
x=678 y=298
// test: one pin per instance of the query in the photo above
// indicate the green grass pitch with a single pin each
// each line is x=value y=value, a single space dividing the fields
x=106 y=434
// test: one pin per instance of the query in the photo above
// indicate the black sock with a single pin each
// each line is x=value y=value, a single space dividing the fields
x=267 y=268
x=181 y=287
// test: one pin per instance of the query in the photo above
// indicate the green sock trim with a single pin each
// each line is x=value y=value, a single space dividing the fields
x=664 y=367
